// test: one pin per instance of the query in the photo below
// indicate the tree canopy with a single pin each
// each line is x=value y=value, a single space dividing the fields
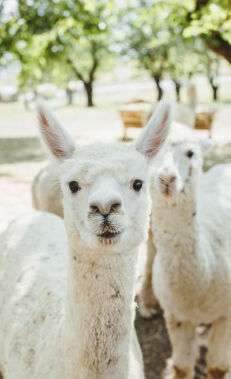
x=60 y=40
x=171 y=37
x=75 y=35
x=209 y=20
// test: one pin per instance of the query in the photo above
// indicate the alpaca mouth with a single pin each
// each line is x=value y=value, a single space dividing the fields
x=166 y=190
x=108 y=236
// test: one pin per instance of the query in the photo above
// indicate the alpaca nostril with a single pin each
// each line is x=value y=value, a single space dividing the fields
x=94 y=209
x=105 y=209
x=166 y=180
x=172 y=179
x=115 y=207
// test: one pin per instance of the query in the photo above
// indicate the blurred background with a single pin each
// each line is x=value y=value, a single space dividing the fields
x=102 y=65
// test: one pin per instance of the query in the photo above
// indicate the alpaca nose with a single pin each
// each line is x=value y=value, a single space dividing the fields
x=105 y=208
x=167 y=179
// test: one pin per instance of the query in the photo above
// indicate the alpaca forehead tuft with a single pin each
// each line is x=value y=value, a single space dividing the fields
x=180 y=139
x=180 y=133
x=116 y=151
x=120 y=160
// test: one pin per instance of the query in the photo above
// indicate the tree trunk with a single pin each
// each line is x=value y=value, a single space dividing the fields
x=89 y=92
x=218 y=45
x=214 y=40
x=26 y=105
x=158 y=86
x=69 y=94
x=178 y=87
x=35 y=93
x=215 y=89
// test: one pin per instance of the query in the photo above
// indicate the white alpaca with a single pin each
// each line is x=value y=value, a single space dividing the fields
x=46 y=190
x=191 y=224
x=147 y=298
x=70 y=316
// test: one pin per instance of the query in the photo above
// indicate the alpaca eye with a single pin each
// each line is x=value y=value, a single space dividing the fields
x=74 y=186
x=190 y=153
x=137 y=185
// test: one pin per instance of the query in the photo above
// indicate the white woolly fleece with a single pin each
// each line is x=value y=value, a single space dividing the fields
x=67 y=304
x=192 y=267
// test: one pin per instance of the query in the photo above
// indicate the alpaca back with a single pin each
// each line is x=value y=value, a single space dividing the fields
x=214 y=207
x=32 y=288
x=32 y=293
x=46 y=192
x=194 y=278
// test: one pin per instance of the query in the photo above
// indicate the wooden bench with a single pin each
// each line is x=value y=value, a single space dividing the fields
x=136 y=119
x=132 y=119
x=204 y=121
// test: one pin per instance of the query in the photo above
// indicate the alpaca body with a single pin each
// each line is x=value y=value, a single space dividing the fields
x=33 y=275
x=46 y=191
x=191 y=226
x=193 y=280
x=36 y=285
x=67 y=293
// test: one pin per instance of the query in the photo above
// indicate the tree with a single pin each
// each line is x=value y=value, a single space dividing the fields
x=152 y=57
x=74 y=34
x=211 y=63
x=160 y=48
x=167 y=38
x=209 y=20
x=148 y=43
x=185 y=59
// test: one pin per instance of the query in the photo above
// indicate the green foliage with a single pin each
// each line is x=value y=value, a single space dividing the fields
x=209 y=20
x=163 y=37
x=158 y=44
x=59 y=39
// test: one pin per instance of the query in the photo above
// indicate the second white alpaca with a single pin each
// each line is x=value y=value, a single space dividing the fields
x=191 y=225
x=45 y=189
x=67 y=297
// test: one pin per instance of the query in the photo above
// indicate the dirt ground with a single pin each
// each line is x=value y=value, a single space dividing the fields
x=20 y=157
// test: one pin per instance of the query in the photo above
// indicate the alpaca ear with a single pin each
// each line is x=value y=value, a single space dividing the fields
x=58 y=142
x=206 y=144
x=155 y=133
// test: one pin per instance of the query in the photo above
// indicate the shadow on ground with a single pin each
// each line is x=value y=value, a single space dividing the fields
x=155 y=344
x=156 y=349
x=14 y=150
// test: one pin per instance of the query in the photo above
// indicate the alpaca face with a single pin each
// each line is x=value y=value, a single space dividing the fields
x=181 y=162
x=105 y=187
x=111 y=207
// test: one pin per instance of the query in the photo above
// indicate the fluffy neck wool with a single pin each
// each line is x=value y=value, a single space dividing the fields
x=175 y=225
x=99 y=314
x=177 y=214
x=178 y=238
